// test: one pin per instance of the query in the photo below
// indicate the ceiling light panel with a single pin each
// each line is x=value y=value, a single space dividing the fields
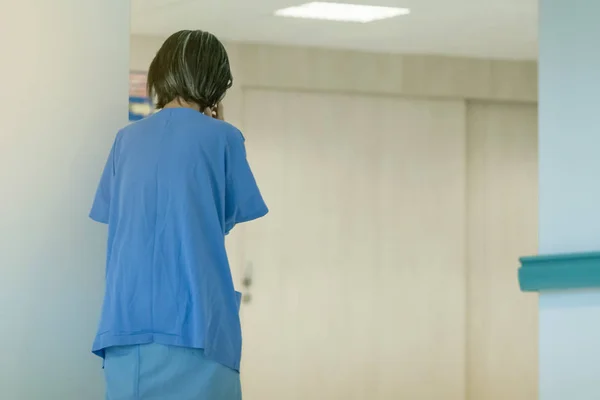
x=342 y=12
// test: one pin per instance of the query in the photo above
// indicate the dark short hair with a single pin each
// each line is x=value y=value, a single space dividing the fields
x=192 y=66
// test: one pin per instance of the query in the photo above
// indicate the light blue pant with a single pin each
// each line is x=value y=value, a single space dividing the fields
x=157 y=372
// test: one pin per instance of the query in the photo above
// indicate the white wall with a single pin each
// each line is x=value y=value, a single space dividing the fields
x=569 y=126
x=569 y=350
x=569 y=192
x=64 y=95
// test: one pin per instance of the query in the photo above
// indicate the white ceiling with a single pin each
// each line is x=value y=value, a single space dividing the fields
x=473 y=28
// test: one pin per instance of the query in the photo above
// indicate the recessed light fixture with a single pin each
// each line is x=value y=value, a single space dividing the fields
x=342 y=12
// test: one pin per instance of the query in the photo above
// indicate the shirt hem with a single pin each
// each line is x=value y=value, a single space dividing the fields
x=108 y=339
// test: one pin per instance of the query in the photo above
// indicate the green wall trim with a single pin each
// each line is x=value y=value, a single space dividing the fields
x=560 y=272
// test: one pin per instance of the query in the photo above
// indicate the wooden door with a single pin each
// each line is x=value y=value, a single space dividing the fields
x=359 y=270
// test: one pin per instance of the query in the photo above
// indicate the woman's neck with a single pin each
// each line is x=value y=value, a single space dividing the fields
x=179 y=103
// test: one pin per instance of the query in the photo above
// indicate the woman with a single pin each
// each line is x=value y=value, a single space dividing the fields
x=174 y=185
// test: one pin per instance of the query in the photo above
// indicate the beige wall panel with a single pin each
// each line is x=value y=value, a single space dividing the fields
x=314 y=69
x=502 y=226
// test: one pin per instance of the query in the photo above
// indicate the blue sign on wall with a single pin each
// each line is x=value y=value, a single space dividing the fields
x=139 y=108
x=140 y=105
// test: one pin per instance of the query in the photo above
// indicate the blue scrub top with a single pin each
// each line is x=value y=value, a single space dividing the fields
x=174 y=185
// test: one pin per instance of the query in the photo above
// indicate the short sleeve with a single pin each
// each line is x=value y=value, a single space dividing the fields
x=101 y=206
x=243 y=200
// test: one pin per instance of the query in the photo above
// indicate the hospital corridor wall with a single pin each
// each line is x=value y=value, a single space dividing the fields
x=402 y=190
x=63 y=97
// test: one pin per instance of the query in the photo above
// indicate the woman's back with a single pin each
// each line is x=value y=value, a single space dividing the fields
x=174 y=185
